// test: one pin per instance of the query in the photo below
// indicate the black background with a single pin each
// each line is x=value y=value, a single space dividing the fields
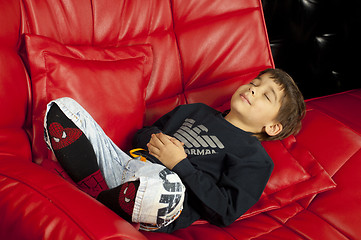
x=317 y=42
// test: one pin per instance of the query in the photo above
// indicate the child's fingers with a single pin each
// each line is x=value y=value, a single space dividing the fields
x=153 y=154
x=154 y=140
x=159 y=140
x=163 y=138
x=177 y=142
x=153 y=149
x=172 y=139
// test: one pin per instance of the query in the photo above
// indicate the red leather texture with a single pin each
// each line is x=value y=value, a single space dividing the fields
x=201 y=51
x=92 y=76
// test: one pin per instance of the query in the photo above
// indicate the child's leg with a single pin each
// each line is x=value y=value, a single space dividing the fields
x=121 y=199
x=160 y=196
x=111 y=160
x=74 y=152
x=76 y=155
x=154 y=200
x=154 y=193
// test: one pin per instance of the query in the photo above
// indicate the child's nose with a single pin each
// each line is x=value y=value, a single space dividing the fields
x=252 y=90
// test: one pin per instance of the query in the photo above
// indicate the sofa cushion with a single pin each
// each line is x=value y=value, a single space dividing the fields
x=109 y=83
x=296 y=175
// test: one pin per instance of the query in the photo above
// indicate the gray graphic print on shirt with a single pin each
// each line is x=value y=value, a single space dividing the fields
x=196 y=140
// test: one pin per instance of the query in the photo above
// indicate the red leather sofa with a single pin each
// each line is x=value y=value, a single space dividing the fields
x=129 y=62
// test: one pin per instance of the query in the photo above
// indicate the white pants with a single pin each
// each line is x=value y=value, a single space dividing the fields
x=160 y=196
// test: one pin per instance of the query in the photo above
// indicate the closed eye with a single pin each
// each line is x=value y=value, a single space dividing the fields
x=255 y=84
x=267 y=98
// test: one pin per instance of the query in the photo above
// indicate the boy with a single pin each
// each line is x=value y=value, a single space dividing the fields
x=215 y=167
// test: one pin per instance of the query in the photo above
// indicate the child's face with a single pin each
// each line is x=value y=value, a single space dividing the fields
x=255 y=105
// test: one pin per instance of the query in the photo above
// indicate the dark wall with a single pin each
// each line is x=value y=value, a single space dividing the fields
x=317 y=42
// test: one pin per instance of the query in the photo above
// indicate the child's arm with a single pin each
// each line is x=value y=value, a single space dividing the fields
x=222 y=200
x=142 y=137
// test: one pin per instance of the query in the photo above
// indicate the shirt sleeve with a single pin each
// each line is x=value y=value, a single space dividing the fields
x=239 y=187
x=142 y=136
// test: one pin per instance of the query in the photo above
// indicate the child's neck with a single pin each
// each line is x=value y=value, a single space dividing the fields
x=235 y=121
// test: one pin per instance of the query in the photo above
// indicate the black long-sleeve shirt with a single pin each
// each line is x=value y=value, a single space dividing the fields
x=226 y=169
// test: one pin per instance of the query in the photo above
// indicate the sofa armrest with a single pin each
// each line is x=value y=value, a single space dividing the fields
x=35 y=202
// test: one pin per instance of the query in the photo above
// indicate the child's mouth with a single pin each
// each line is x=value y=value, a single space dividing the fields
x=245 y=99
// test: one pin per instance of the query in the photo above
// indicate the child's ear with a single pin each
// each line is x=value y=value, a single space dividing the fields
x=273 y=129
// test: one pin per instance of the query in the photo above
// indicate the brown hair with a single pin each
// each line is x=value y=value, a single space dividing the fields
x=292 y=109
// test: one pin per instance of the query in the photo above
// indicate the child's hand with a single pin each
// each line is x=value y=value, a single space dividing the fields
x=168 y=150
x=172 y=139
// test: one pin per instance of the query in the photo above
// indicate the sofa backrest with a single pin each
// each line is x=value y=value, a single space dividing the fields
x=222 y=45
x=203 y=50
x=197 y=46
x=14 y=90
